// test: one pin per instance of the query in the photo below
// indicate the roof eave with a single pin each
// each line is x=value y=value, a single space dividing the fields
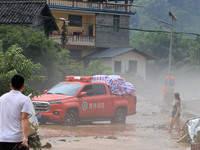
x=91 y=10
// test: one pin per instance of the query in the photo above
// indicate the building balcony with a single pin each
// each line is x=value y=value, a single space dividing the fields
x=75 y=40
x=90 y=5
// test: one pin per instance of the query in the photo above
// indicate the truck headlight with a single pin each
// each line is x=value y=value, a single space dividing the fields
x=55 y=102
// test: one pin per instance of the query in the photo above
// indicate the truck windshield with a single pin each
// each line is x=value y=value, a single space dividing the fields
x=65 y=88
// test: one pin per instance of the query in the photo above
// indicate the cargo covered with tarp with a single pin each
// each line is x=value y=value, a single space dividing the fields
x=191 y=131
x=117 y=84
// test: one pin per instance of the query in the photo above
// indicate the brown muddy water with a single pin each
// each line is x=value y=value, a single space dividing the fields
x=147 y=130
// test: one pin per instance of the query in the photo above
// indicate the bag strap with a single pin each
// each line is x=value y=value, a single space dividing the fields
x=15 y=146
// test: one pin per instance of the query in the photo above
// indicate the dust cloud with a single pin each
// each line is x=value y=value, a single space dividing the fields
x=187 y=84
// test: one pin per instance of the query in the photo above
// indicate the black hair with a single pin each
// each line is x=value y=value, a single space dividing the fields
x=177 y=96
x=17 y=81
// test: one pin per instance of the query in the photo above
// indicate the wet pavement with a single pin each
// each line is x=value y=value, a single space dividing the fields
x=147 y=130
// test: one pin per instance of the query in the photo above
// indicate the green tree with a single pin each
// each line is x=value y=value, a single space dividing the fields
x=12 y=62
x=95 y=67
x=1 y=48
x=54 y=60
x=185 y=56
x=187 y=12
x=36 y=47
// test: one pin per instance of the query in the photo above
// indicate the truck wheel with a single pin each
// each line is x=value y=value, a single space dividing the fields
x=71 y=118
x=120 y=116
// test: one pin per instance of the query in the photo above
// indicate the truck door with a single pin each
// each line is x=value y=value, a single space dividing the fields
x=103 y=101
x=86 y=103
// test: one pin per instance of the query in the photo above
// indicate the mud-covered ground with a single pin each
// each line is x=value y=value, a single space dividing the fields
x=147 y=130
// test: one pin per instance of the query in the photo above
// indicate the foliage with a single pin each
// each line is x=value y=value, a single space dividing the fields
x=1 y=48
x=39 y=49
x=94 y=67
x=185 y=53
x=36 y=47
x=12 y=62
x=62 y=65
x=54 y=60
x=186 y=11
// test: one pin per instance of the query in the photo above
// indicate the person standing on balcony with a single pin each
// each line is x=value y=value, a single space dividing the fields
x=14 y=111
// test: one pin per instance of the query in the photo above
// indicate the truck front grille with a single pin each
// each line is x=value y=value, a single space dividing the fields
x=41 y=106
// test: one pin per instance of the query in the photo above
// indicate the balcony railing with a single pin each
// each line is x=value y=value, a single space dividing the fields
x=101 y=6
x=78 y=40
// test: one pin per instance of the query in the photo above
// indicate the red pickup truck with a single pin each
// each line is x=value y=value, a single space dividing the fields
x=81 y=99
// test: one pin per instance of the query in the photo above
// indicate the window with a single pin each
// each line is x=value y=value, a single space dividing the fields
x=116 y=21
x=75 y=20
x=89 y=90
x=94 y=89
x=133 y=66
x=65 y=88
x=99 y=89
x=117 y=67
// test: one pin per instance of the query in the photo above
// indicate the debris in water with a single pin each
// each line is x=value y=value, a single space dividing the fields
x=111 y=137
x=76 y=141
x=63 y=140
x=191 y=131
x=47 y=145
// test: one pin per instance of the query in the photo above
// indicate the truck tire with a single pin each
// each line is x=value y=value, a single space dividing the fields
x=120 y=116
x=71 y=118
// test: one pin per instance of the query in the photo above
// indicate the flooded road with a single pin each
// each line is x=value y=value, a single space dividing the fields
x=147 y=130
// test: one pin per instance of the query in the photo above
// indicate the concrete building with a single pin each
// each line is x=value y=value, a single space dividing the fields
x=96 y=27
x=124 y=60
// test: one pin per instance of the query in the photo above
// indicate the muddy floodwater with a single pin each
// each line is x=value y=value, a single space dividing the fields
x=147 y=130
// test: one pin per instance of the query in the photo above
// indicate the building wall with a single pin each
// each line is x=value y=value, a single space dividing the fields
x=87 y=19
x=106 y=37
x=38 y=23
x=125 y=58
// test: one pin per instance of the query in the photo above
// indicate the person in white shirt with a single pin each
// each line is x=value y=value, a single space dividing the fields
x=15 y=108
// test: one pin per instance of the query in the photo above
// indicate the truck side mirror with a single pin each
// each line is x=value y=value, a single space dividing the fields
x=83 y=94
x=45 y=91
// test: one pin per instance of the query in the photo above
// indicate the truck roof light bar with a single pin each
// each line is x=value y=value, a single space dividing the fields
x=79 y=78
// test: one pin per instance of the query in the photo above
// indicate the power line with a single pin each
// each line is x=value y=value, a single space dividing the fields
x=142 y=30
x=108 y=26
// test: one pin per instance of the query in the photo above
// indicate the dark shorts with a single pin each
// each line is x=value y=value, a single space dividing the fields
x=11 y=146
x=174 y=114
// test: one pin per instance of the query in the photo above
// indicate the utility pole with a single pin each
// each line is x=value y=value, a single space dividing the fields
x=168 y=94
x=170 y=25
x=170 y=49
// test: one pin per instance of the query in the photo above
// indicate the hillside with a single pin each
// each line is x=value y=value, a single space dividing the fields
x=187 y=12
